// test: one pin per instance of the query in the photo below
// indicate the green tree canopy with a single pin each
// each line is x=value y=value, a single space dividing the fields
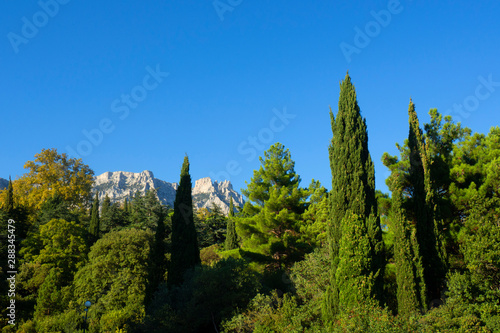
x=210 y=226
x=53 y=173
x=424 y=184
x=115 y=279
x=64 y=246
x=271 y=217
x=412 y=292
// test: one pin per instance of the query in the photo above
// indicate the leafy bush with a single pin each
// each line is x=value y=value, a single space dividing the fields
x=208 y=295
x=209 y=255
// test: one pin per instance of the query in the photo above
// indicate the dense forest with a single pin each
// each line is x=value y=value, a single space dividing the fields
x=423 y=258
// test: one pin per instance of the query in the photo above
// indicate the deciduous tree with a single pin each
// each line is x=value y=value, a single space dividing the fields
x=53 y=173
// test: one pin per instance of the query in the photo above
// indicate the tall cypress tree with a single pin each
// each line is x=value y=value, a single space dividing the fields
x=354 y=276
x=411 y=293
x=106 y=203
x=185 y=253
x=106 y=214
x=421 y=205
x=353 y=193
x=231 y=207
x=94 y=219
x=126 y=206
x=231 y=236
x=157 y=255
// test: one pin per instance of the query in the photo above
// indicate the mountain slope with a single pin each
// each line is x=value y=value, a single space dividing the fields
x=120 y=185
x=4 y=183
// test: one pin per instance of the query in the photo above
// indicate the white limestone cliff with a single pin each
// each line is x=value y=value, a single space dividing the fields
x=120 y=185
x=4 y=183
x=207 y=192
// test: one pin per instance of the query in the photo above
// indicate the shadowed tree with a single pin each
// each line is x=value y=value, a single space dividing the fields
x=94 y=219
x=157 y=255
x=185 y=253
x=422 y=205
x=106 y=203
x=232 y=236
x=411 y=293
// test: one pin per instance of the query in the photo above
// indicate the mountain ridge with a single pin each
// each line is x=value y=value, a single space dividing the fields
x=4 y=183
x=119 y=185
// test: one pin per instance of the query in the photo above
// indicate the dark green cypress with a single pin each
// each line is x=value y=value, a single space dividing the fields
x=126 y=206
x=94 y=219
x=422 y=208
x=157 y=255
x=185 y=253
x=105 y=205
x=353 y=193
x=411 y=293
x=106 y=217
x=231 y=236
x=354 y=276
x=231 y=207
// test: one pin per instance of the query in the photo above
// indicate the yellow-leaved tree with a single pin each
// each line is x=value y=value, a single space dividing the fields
x=50 y=174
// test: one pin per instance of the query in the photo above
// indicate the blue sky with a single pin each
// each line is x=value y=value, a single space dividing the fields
x=223 y=80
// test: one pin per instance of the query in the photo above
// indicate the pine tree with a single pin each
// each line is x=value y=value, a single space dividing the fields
x=422 y=207
x=272 y=216
x=353 y=191
x=138 y=211
x=231 y=236
x=94 y=219
x=185 y=253
x=153 y=209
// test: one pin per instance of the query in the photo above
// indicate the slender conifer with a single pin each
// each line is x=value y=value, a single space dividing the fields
x=185 y=253
x=353 y=203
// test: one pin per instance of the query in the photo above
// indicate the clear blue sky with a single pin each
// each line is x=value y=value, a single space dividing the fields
x=69 y=68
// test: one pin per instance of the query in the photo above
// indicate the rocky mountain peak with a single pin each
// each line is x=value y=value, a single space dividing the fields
x=4 y=183
x=203 y=185
x=120 y=185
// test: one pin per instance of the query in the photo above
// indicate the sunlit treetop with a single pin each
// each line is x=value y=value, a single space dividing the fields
x=50 y=174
